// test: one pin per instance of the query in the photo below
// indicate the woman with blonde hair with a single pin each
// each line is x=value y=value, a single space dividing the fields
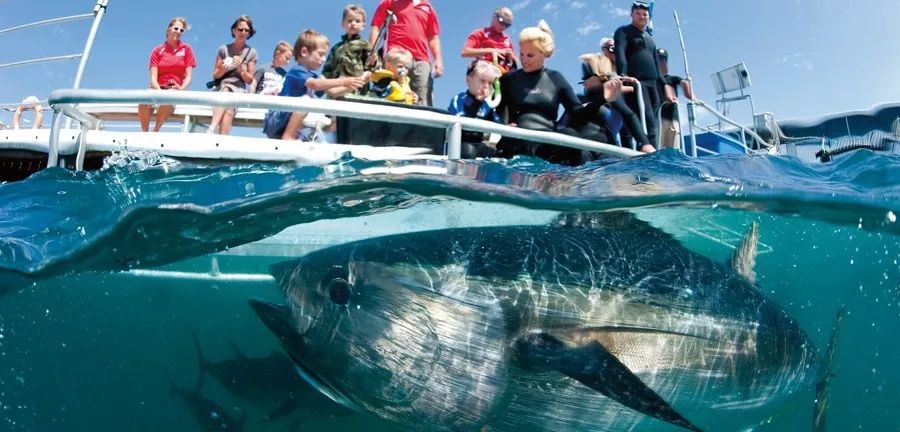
x=605 y=112
x=171 y=68
x=532 y=95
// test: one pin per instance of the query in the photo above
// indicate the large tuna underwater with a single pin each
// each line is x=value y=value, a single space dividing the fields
x=598 y=322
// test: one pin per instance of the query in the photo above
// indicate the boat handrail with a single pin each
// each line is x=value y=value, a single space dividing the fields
x=64 y=104
x=761 y=142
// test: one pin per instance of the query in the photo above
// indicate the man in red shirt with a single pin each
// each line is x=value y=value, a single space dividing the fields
x=415 y=27
x=491 y=43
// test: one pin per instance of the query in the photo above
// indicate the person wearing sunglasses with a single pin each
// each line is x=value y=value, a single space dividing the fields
x=636 y=57
x=234 y=69
x=171 y=68
x=491 y=43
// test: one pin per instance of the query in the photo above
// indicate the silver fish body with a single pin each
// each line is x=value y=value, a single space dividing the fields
x=507 y=328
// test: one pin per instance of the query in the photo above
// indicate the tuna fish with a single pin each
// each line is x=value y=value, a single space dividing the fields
x=599 y=323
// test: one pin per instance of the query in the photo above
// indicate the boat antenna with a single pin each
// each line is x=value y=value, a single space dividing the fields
x=687 y=76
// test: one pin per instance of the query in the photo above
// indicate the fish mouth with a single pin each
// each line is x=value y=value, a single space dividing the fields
x=322 y=386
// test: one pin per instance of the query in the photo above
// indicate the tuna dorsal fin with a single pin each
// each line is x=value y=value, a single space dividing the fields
x=744 y=259
x=597 y=368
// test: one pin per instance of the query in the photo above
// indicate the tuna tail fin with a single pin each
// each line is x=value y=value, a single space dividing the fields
x=823 y=387
x=744 y=259
x=236 y=350
x=597 y=368
x=202 y=363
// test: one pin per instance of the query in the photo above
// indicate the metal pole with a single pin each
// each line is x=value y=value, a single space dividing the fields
x=59 y=20
x=82 y=148
x=687 y=76
x=454 y=141
x=99 y=11
x=639 y=92
x=53 y=154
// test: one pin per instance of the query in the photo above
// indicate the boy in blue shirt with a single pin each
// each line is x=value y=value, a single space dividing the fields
x=475 y=102
x=309 y=51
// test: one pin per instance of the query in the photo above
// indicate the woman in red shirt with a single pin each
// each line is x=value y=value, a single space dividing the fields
x=171 y=67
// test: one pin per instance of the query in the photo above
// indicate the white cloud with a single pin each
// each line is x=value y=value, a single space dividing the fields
x=798 y=60
x=578 y=5
x=520 y=5
x=617 y=12
x=550 y=10
x=588 y=28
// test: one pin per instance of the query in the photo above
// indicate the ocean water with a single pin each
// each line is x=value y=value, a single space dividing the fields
x=105 y=276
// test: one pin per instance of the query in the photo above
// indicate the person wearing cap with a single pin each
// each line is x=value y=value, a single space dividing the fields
x=28 y=104
x=608 y=48
x=491 y=43
x=671 y=124
x=635 y=52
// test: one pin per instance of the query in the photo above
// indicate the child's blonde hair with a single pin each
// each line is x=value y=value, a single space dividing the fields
x=541 y=36
x=481 y=67
x=397 y=55
x=354 y=8
x=309 y=39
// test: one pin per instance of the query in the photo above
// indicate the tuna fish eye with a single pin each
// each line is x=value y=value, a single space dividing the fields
x=339 y=291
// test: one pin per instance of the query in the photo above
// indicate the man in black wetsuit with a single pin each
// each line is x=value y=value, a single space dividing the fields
x=636 y=57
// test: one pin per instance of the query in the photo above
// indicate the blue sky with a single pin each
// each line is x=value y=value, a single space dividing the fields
x=806 y=57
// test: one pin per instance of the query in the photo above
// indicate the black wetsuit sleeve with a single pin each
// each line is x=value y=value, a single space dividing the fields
x=565 y=94
x=505 y=94
x=620 y=38
x=631 y=121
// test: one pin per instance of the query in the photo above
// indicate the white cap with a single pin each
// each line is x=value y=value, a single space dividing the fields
x=606 y=41
x=31 y=101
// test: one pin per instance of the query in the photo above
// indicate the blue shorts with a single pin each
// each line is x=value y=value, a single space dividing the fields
x=275 y=122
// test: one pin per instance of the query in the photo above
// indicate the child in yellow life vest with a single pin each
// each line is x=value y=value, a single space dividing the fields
x=392 y=82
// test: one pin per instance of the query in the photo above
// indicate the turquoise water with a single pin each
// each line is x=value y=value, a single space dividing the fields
x=87 y=343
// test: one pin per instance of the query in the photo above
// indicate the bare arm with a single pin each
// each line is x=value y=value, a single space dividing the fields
x=688 y=89
x=373 y=37
x=435 y=45
x=220 y=69
x=323 y=84
x=247 y=70
x=188 y=76
x=154 y=81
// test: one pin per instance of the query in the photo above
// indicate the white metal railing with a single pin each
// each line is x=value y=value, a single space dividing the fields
x=97 y=14
x=64 y=104
x=742 y=130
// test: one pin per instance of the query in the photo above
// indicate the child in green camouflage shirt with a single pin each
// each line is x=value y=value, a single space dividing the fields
x=348 y=57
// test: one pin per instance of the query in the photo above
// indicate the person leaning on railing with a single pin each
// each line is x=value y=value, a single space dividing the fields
x=531 y=97
x=604 y=112
x=171 y=68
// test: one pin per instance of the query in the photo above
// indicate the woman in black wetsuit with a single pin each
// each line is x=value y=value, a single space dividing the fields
x=531 y=97
x=604 y=112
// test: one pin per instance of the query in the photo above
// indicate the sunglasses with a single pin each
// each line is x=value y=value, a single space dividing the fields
x=177 y=29
x=639 y=4
x=243 y=30
x=502 y=21
x=610 y=48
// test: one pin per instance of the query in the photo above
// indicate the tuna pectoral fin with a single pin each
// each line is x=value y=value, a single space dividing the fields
x=278 y=319
x=595 y=367
x=823 y=387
